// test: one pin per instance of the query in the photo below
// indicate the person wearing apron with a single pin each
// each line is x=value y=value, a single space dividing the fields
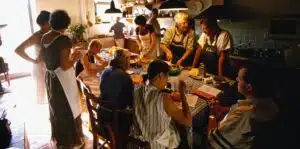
x=63 y=95
x=178 y=40
x=146 y=38
x=39 y=70
x=214 y=43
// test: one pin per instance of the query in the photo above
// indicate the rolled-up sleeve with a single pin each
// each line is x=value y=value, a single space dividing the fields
x=225 y=41
x=168 y=36
x=190 y=41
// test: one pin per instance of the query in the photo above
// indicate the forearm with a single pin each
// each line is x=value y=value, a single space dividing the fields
x=196 y=58
x=186 y=55
x=21 y=52
x=220 y=66
x=164 y=48
x=185 y=106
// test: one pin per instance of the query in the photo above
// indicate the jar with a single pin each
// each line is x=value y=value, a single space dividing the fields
x=201 y=70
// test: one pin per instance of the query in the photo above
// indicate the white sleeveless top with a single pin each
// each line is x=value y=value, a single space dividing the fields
x=151 y=123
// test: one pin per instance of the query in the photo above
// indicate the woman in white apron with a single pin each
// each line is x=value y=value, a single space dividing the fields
x=39 y=70
x=61 y=84
x=146 y=38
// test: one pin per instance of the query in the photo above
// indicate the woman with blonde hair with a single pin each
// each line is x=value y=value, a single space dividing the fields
x=88 y=63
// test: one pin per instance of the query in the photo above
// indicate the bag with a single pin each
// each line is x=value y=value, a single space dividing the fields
x=5 y=132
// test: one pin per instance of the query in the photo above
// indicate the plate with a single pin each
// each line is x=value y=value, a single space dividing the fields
x=196 y=77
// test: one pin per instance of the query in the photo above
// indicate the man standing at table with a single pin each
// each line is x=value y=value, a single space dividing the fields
x=214 y=44
x=178 y=40
x=118 y=33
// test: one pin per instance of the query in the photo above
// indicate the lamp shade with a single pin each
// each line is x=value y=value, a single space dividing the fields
x=173 y=5
x=112 y=8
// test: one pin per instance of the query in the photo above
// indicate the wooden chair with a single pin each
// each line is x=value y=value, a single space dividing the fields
x=108 y=131
x=104 y=131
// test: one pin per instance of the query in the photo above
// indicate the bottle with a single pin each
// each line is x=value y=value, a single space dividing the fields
x=201 y=70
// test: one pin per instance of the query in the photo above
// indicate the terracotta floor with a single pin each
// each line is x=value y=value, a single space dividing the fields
x=25 y=114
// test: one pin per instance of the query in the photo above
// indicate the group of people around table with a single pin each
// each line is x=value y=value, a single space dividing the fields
x=154 y=110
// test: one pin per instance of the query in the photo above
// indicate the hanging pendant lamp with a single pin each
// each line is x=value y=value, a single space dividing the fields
x=112 y=8
x=173 y=5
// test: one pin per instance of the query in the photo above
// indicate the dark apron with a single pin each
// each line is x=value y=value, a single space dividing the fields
x=209 y=56
x=178 y=51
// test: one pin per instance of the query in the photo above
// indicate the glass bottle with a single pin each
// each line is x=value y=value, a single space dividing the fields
x=201 y=70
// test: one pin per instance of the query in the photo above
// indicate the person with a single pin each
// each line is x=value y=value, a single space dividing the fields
x=87 y=62
x=154 y=22
x=258 y=86
x=61 y=84
x=178 y=41
x=214 y=44
x=39 y=69
x=116 y=85
x=118 y=33
x=154 y=109
x=146 y=38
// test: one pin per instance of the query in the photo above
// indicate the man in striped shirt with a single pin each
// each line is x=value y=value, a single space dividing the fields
x=235 y=131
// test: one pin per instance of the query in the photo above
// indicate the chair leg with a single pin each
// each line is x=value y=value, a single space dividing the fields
x=7 y=78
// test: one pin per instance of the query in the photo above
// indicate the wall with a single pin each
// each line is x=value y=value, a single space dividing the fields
x=71 y=6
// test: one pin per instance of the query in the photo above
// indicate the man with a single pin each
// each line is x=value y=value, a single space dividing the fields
x=178 y=40
x=236 y=129
x=154 y=22
x=213 y=46
x=118 y=33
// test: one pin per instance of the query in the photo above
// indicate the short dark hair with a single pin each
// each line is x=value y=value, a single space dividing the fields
x=209 y=21
x=60 y=19
x=43 y=17
x=140 y=20
x=262 y=78
x=156 y=67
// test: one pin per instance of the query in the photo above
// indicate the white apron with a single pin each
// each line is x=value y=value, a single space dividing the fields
x=146 y=43
x=67 y=80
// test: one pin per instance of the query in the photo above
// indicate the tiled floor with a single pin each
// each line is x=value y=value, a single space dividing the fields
x=25 y=114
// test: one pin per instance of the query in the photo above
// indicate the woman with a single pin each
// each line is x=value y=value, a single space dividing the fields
x=116 y=85
x=146 y=38
x=61 y=85
x=154 y=109
x=39 y=69
x=87 y=62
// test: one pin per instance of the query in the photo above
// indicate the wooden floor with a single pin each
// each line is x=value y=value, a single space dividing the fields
x=28 y=116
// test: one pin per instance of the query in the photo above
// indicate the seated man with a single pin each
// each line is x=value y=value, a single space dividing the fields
x=153 y=110
x=234 y=131
x=178 y=41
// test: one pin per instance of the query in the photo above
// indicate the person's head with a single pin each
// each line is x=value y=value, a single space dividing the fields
x=256 y=81
x=182 y=21
x=140 y=20
x=118 y=19
x=95 y=46
x=158 y=73
x=121 y=60
x=209 y=26
x=60 y=20
x=154 y=13
x=43 y=20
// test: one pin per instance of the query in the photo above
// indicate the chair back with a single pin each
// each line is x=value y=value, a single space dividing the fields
x=98 y=128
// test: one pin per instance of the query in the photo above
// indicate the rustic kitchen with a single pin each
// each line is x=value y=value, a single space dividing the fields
x=154 y=74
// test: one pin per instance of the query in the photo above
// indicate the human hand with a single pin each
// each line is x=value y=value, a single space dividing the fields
x=169 y=55
x=76 y=55
x=179 y=62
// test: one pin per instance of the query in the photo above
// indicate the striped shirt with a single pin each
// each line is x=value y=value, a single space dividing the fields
x=151 y=123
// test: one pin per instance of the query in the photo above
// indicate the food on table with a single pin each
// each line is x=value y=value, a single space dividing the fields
x=174 y=70
x=194 y=72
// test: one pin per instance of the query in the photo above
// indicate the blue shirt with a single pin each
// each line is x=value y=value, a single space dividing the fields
x=116 y=87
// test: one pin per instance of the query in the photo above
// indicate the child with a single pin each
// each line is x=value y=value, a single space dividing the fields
x=87 y=62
